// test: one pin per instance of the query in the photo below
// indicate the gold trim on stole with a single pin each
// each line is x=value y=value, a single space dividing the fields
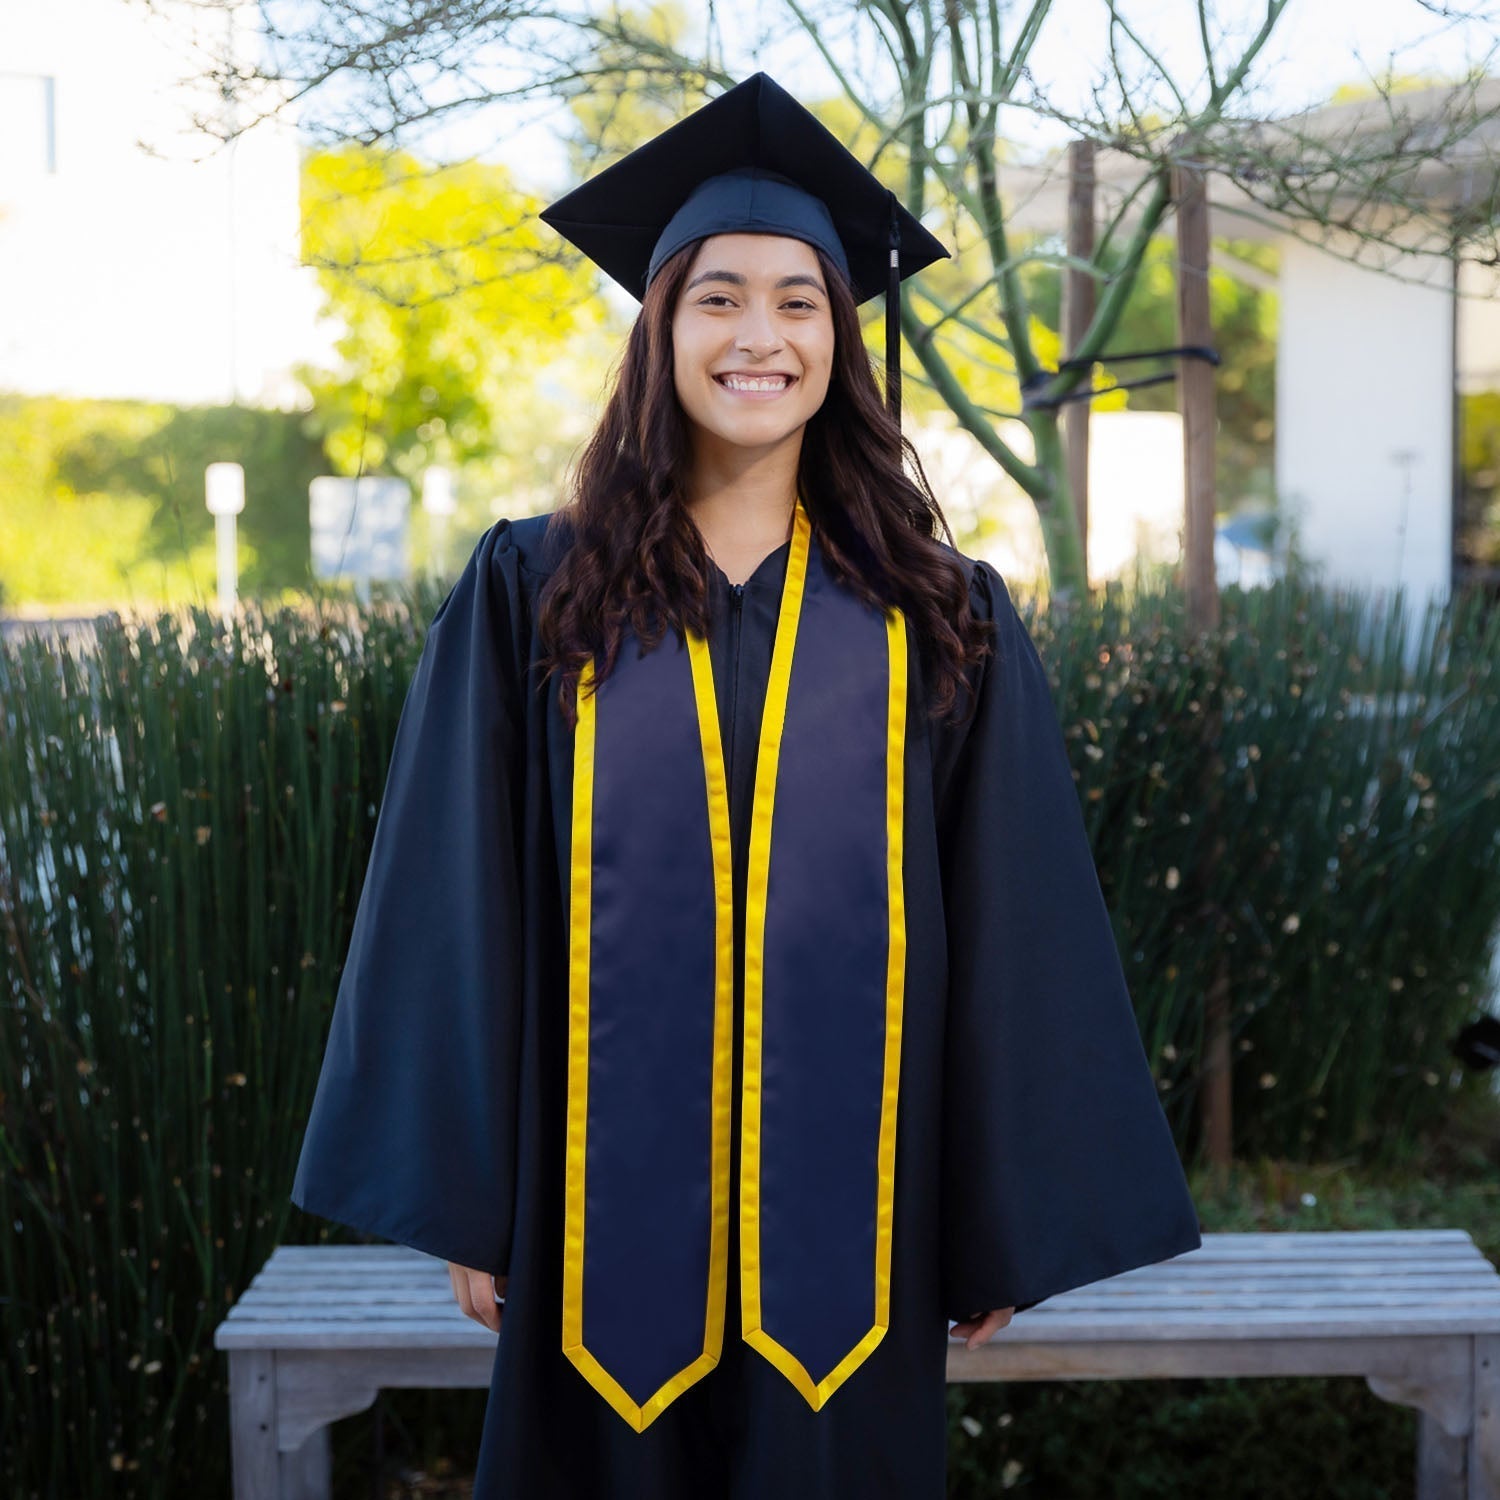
x=580 y=916
x=580 y=922
x=817 y=1393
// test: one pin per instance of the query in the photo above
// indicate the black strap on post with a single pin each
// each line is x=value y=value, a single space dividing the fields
x=1030 y=387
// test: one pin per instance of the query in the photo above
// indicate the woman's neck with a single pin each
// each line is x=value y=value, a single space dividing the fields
x=742 y=502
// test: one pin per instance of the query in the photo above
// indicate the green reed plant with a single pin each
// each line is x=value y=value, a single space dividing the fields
x=1355 y=890
x=185 y=814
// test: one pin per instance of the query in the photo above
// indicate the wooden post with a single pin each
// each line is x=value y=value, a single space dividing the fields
x=1078 y=312
x=1195 y=396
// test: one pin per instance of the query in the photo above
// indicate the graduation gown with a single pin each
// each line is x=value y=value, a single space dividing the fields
x=1031 y=1151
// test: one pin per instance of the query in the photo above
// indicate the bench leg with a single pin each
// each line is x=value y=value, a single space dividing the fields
x=1445 y=1393
x=307 y=1473
x=1442 y=1461
x=260 y=1471
x=1484 y=1435
x=1466 y=1467
x=252 y=1425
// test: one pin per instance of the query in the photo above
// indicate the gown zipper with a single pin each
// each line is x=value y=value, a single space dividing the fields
x=732 y=1319
x=737 y=595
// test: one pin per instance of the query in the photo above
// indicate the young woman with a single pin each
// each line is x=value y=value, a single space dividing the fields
x=732 y=996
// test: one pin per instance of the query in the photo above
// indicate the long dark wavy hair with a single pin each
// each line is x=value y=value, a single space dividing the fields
x=634 y=555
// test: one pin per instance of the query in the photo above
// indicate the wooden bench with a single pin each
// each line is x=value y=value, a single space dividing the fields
x=321 y=1329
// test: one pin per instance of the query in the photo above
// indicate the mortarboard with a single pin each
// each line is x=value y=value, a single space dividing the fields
x=753 y=160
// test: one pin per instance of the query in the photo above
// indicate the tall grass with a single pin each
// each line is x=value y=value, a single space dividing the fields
x=1355 y=888
x=184 y=821
x=185 y=816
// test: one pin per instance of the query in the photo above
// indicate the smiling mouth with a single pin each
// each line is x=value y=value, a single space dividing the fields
x=756 y=385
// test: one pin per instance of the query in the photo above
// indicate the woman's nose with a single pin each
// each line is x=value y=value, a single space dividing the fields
x=757 y=333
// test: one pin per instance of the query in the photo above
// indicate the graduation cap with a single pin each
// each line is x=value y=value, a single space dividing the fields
x=751 y=161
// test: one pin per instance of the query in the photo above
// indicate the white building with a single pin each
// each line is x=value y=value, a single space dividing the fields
x=140 y=257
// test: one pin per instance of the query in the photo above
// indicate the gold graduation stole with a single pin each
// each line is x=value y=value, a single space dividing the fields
x=651 y=1006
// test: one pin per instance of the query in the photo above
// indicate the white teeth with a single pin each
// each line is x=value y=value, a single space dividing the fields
x=756 y=382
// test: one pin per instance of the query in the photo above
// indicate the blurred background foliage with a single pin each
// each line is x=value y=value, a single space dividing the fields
x=104 y=508
x=1478 y=518
x=467 y=339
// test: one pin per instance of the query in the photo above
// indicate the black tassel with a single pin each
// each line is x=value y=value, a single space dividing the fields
x=893 y=320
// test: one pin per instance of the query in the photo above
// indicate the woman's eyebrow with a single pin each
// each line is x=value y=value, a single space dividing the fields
x=736 y=279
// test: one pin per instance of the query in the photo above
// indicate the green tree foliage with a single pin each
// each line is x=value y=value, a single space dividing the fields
x=103 y=501
x=465 y=334
x=1479 y=520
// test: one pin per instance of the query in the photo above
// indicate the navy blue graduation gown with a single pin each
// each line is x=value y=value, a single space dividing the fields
x=1032 y=1153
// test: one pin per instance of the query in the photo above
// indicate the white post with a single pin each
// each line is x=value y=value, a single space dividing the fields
x=224 y=487
x=439 y=502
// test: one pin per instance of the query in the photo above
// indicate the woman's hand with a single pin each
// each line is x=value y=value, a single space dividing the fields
x=979 y=1329
x=476 y=1292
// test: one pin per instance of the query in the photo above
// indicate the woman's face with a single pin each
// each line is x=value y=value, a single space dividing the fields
x=752 y=340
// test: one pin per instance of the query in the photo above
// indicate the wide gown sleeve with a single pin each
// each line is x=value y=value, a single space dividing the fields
x=412 y=1133
x=1059 y=1166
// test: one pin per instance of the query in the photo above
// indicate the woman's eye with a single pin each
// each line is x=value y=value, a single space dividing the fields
x=723 y=299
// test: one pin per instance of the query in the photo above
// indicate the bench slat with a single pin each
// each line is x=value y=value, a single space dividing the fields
x=1194 y=1263
x=1256 y=1285
x=1279 y=1242
x=1201 y=1279
x=1035 y=1325
x=1464 y=1290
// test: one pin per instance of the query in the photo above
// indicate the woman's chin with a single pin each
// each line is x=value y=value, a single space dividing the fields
x=754 y=436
